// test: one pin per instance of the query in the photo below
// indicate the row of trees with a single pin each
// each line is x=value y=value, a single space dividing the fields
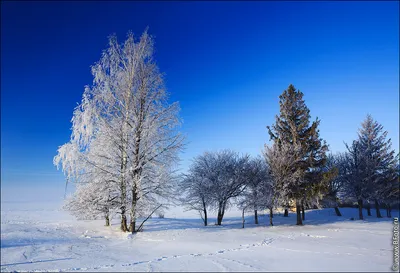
x=296 y=170
x=124 y=147
x=216 y=179
x=291 y=170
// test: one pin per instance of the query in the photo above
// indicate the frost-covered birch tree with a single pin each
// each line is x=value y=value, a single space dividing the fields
x=126 y=113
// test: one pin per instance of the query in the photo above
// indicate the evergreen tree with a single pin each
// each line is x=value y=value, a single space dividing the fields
x=379 y=161
x=293 y=127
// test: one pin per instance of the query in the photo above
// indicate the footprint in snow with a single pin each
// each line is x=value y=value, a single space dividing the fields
x=313 y=236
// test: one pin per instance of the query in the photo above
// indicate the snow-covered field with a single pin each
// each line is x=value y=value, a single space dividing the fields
x=41 y=237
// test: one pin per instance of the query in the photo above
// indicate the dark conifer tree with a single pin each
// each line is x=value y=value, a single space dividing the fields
x=293 y=127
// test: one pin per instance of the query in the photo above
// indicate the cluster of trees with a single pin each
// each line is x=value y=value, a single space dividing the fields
x=368 y=172
x=295 y=170
x=217 y=180
x=124 y=142
x=291 y=170
x=124 y=147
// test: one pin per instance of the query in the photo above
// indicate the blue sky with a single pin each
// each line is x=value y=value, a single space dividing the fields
x=225 y=62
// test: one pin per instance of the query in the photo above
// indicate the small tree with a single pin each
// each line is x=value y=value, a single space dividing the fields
x=391 y=187
x=256 y=180
x=228 y=179
x=92 y=201
x=271 y=197
x=196 y=191
x=353 y=180
x=335 y=172
x=213 y=180
x=225 y=173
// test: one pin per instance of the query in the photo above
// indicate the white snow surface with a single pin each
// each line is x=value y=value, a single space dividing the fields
x=42 y=237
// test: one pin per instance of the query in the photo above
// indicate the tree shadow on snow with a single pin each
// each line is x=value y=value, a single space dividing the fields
x=312 y=217
x=9 y=243
x=328 y=216
x=40 y=261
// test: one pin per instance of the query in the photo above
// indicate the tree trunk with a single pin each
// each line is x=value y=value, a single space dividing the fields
x=140 y=228
x=360 y=209
x=302 y=212
x=369 y=209
x=286 y=214
x=132 y=226
x=220 y=216
x=124 y=225
x=298 y=212
x=378 y=212
x=255 y=217
x=107 y=220
x=243 y=218
x=318 y=206
x=271 y=215
x=137 y=171
x=205 y=216
x=337 y=211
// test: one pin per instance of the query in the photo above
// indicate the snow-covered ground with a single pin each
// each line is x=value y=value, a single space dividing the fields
x=41 y=237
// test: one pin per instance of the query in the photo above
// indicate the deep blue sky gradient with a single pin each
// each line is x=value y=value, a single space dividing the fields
x=225 y=62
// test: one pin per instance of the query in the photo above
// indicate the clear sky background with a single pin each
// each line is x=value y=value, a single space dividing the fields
x=225 y=62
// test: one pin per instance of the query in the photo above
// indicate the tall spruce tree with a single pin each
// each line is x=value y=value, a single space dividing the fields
x=293 y=127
